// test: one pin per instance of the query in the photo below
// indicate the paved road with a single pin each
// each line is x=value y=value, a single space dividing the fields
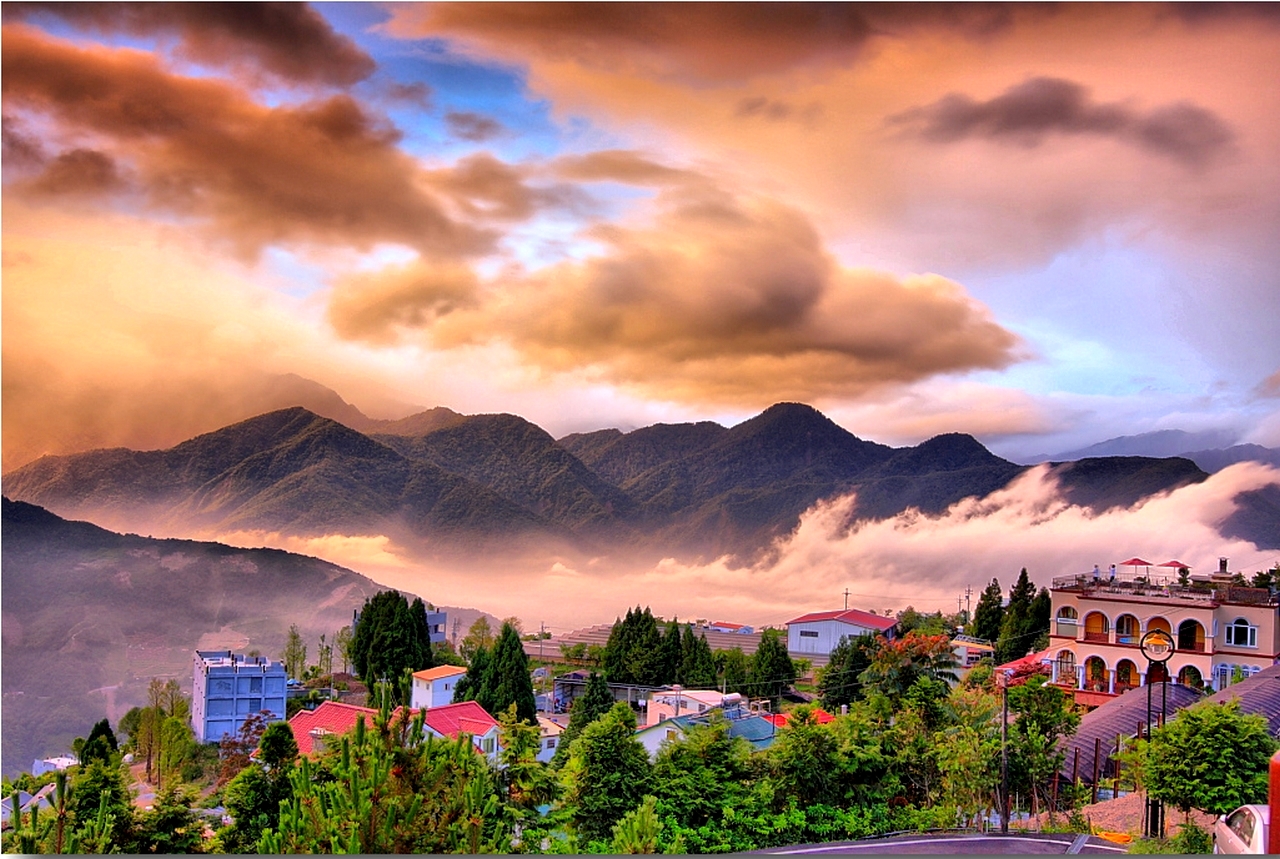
x=1019 y=844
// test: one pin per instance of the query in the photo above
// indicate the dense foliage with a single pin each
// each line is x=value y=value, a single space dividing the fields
x=391 y=638
x=499 y=679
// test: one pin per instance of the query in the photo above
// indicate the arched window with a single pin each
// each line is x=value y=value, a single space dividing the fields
x=1067 y=621
x=1066 y=667
x=1126 y=629
x=1241 y=634
x=1190 y=636
x=1067 y=613
x=1096 y=627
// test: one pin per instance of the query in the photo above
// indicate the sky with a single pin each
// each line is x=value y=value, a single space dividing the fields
x=1042 y=225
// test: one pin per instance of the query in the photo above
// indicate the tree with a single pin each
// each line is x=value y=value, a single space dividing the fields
x=324 y=658
x=736 y=671
x=989 y=615
x=897 y=664
x=342 y=644
x=633 y=653
x=479 y=637
x=391 y=638
x=234 y=752
x=697 y=663
x=277 y=749
x=1017 y=624
x=673 y=655
x=1044 y=715
x=772 y=671
x=594 y=702
x=1210 y=757
x=170 y=826
x=508 y=682
x=607 y=774
x=100 y=745
x=525 y=783
x=840 y=682
x=294 y=655
x=700 y=773
x=805 y=762
x=475 y=680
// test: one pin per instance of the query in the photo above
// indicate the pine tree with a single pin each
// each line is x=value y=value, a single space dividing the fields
x=840 y=682
x=390 y=638
x=617 y=650
x=737 y=671
x=772 y=671
x=989 y=614
x=473 y=683
x=594 y=702
x=508 y=678
x=607 y=774
x=698 y=667
x=1014 y=641
x=672 y=656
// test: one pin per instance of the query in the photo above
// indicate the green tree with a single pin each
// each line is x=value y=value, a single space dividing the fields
x=840 y=681
x=594 y=702
x=479 y=637
x=607 y=774
x=253 y=802
x=633 y=653
x=989 y=615
x=294 y=655
x=524 y=781
x=476 y=680
x=897 y=664
x=100 y=745
x=170 y=826
x=508 y=682
x=700 y=773
x=772 y=671
x=1044 y=715
x=805 y=762
x=697 y=663
x=672 y=668
x=1015 y=627
x=277 y=749
x=391 y=638
x=102 y=785
x=1210 y=757
x=736 y=671
x=342 y=645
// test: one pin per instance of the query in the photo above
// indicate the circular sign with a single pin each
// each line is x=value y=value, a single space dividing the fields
x=1158 y=646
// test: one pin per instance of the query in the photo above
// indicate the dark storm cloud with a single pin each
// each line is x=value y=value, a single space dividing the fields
x=1027 y=113
x=776 y=110
x=79 y=171
x=289 y=40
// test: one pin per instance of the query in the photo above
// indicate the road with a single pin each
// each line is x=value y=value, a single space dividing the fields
x=1024 y=844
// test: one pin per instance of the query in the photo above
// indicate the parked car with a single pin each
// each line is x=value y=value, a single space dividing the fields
x=1243 y=830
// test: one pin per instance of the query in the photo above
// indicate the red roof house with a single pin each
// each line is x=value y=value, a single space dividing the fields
x=820 y=632
x=310 y=727
x=331 y=718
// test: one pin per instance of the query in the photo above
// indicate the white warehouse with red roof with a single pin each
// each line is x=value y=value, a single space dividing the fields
x=819 y=632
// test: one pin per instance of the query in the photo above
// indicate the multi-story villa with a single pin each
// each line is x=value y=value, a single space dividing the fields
x=1221 y=631
x=228 y=687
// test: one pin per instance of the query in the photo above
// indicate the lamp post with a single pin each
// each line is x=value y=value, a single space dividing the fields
x=1003 y=680
x=1158 y=647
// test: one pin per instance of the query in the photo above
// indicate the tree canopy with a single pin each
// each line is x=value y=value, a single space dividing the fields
x=391 y=638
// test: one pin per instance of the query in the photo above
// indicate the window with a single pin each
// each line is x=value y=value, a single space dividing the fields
x=221 y=687
x=808 y=633
x=551 y=742
x=1241 y=634
x=487 y=745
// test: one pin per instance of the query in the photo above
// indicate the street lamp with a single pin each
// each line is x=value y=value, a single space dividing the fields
x=1158 y=647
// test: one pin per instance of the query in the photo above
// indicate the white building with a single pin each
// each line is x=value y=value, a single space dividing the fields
x=549 y=737
x=227 y=688
x=820 y=632
x=677 y=701
x=434 y=687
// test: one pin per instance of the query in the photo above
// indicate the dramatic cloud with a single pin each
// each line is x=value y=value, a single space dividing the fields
x=472 y=126
x=1025 y=114
x=323 y=171
x=720 y=298
x=288 y=40
x=700 y=43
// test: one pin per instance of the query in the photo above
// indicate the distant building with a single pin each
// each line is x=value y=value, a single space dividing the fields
x=227 y=688
x=314 y=730
x=55 y=764
x=434 y=687
x=677 y=701
x=437 y=621
x=548 y=738
x=1221 y=631
x=819 y=632
x=970 y=651
x=726 y=626
x=752 y=727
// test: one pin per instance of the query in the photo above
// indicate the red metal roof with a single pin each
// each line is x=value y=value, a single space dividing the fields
x=851 y=616
x=453 y=719
x=780 y=720
x=331 y=717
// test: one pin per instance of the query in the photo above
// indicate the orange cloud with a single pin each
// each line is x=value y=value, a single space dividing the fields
x=322 y=171
x=291 y=41
x=721 y=298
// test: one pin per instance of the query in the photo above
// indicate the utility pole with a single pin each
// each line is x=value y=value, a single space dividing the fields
x=846 y=599
x=968 y=592
x=542 y=634
x=1004 y=754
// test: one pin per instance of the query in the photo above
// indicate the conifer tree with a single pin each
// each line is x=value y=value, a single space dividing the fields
x=698 y=667
x=508 y=678
x=737 y=670
x=772 y=671
x=989 y=614
x=594 y=702
x=1015 y=626
x=672 y=655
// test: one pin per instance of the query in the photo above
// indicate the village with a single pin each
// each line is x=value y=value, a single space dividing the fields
x=1123 y=651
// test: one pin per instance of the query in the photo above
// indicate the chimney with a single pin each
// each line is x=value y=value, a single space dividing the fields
x=1222 y=566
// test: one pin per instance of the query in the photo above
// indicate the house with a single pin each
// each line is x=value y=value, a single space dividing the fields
x=434 y=687
x=669 y=702
x=54 y=764
x=566 y=688
x=548 y=738
x=970 y=651
x=819 y=632
x=228 y=687
x=726 y=626
x=467 y=717
x=1098 y=624
x=313 y=730
x=437 y=623
x=781 y=720
x=41 y=799
x=752 y=727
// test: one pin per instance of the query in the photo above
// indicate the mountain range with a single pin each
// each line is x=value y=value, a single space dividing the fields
x=448 y=484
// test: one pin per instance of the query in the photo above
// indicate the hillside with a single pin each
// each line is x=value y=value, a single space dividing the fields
x=89 y=616
x=445 y=484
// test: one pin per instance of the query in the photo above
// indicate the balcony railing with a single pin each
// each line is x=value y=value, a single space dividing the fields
x=1099 y=637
